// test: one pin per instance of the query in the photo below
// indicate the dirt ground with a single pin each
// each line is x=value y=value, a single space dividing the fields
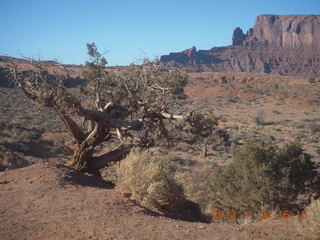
x=49 y=201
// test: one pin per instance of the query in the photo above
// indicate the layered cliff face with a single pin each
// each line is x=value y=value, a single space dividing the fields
x=287 y=45
x=292 y=31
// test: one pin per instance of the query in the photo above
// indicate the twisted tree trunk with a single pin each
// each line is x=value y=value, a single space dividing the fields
x=81 y=156
x=84 y=150
x=83 y=159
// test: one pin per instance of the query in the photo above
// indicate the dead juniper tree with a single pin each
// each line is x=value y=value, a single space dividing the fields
x=128 y=104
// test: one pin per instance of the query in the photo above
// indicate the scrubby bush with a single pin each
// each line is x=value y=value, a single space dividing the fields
x=221 y=137
x=311 y=223
x=151 y=182
x=11 y=159
x=199 y=129
x=262 y=176
x=202 y=124
x=314 y=127
x=16 y=160
x=259 y=118
x=311 y=79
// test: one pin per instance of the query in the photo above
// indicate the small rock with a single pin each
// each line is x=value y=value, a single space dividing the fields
x=201 y=227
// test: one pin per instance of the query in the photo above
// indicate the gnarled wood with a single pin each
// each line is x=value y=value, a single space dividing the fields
x=84 y=151
x=71 y=125
x=113 y=156
x=172 y=116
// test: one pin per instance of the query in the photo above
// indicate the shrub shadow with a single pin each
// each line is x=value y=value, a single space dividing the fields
x=190 y=212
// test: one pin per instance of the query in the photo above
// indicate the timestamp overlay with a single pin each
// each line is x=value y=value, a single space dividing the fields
x=232 y=214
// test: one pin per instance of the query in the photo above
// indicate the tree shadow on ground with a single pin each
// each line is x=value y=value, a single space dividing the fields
x=74 y=177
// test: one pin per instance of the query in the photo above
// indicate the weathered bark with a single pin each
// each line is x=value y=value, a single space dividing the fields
x=83 y=158
x=113 y=156
x=81 y=155
x=71 y=125
x=84 y=151
x=172 y=116
x=84 y=161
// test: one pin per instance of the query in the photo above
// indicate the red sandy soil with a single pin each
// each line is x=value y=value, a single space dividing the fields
x=50 y=201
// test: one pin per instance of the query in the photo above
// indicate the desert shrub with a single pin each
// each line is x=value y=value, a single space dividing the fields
x=17 y=160
x=10 y=159
x=221 y=137
x=262 y=176
x=258 y=118
x=314 y=127
x=298 y=135
x=311 y=223
x=202 y=124
x=299 y=125
x=311 y=79
x=151 y=182
x=276 y=112
x=199 y=128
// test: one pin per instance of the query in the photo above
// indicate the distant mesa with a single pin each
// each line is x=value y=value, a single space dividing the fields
x=277 y=44
x=292 y=31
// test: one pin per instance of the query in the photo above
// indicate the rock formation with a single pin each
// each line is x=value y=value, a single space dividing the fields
x=238 y=36
x=291 y=31
x=286 y=45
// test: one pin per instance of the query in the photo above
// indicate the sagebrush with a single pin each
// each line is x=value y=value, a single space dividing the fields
x=151 y=182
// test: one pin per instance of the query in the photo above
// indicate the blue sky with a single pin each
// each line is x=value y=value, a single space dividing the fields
x=129 y=30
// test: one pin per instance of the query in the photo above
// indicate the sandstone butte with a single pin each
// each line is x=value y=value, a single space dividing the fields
x=277 y=44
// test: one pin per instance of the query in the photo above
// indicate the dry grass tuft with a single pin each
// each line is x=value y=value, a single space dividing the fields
x=151 y=182
x=311 y=224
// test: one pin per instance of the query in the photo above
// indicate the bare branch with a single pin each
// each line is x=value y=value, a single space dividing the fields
x=171 y=116
x=19 y=81
x=119 y=135
x=98 y=102
x=126 y=125
x=108 y=105
x=160 y=88
x=89 y=114
x=71 y=125
x=129 y=92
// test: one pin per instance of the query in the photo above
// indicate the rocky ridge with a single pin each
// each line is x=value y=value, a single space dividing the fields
x=285 y=45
